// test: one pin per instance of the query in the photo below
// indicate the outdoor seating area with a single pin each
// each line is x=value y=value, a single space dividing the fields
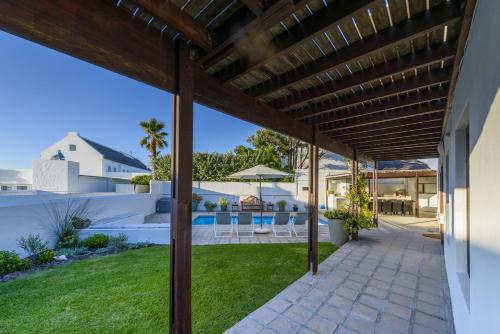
x=395 y=207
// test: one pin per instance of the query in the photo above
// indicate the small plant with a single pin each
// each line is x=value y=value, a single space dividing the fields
x=223 y=203
x=80 y=223
x=142 y=180
x=209 y=205
x=70 y=241
x=341 y=214
x=119 y=242
x=32 y=244
x=101 y=251
x=196 y=198
x=46 y=256
x=96 y=241
x=71 y=252
x=281 y=204
x=295 y=207
x=10 y=262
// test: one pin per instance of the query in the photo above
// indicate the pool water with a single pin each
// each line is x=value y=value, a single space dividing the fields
x=209 y=220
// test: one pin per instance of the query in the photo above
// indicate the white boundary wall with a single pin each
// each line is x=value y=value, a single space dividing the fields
x=476 y=103
x=24 y=214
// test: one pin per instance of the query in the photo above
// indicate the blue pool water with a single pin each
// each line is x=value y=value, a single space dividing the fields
x=209 y=220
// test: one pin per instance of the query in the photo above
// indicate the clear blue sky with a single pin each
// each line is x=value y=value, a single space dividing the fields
x=44 y=94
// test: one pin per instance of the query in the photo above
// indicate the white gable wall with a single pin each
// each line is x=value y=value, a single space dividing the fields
x=90 y=160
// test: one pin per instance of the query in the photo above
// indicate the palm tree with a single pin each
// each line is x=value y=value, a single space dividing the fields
x=154 y=140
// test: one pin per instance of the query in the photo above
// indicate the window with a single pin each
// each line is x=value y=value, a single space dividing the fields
x=72 y=147
x=5 y=188
x=109 y=168
x=114 y=169
x=427 y=188
x=22 y=187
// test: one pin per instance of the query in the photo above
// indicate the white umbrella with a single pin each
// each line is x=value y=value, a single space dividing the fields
x=259 y=172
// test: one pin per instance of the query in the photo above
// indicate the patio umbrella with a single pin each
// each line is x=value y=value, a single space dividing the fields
x=259 y=172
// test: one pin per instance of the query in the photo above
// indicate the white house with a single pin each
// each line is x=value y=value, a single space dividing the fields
x=15 y=179
x=94 y=159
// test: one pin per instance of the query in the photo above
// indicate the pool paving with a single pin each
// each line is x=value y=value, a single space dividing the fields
x=390 y=281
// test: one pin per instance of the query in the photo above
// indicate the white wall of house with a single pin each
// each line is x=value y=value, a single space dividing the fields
x=90 y=160
x=24 y=214
x=15 y=179
x=114 y=168
x=476 y=104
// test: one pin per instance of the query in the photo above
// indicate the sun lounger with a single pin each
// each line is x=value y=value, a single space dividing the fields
x=300 y=223
x=281 y=224
x=222 y=225
x=245 y=223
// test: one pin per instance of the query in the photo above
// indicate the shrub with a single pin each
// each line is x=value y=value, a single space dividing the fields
x=342 y=214
x=209 y=205
x=10 y=262
x=46 y=256
x=80 y=223
x=96 y=241
x=70 y=252
x=196 y=198
x=223 y=201
x=103 y=250
x=281 y=203
x=119 y=242
x=141 y=180
x=70 y=241
x=32 y=244
x=26 y=264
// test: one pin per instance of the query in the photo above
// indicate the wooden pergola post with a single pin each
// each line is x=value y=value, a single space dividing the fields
x=354 y=176
x=416 y=195
x=312 y=254
x=375 y=193
x=182 y=160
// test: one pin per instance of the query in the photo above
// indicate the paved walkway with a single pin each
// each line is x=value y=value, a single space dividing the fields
x=391 y=281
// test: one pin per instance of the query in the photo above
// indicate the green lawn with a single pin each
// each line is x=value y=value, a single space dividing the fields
x=128 y=292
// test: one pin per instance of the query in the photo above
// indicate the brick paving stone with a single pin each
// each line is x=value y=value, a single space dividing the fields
x=321 y=325
x=390 y=281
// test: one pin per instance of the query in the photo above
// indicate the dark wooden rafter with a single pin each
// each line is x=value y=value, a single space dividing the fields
x=429 y=125
x=410 y=123
x=390 y=115
x=390 y=103
x=143 y=55
x=238 y=28
x=398 y=87
x=407 y=155
x=179 y=21
x=254 y=5
x=402 y=141
x=326 y=18
x=382 y=71
x=402 y=149
x=390 y=137
x=381 y=174
x=419 y=25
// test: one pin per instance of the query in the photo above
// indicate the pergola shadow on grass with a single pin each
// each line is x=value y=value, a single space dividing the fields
x=128 y=292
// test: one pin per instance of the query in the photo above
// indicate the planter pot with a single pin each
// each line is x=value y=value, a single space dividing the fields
x=295 y=209
x=282 y=209
x=338 y=235
x=223 y=208
x=141 y=188
x=354 y=235
x=194 y=205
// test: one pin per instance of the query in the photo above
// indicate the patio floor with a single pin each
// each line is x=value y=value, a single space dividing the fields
x=391 y=281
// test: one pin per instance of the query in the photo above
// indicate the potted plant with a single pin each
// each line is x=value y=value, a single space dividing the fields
x=209 y=206
x=295 y=208
x=270 y=206
x=235 y=206
x=141 y=183
x=336 y=223
x=360 y=216
x=223 y=203
x=281 y=205
x=196 y=199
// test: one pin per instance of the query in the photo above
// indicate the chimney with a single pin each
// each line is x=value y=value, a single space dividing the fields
x=73 y=133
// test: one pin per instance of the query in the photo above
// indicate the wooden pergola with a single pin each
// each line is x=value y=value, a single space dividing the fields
x=368 y=79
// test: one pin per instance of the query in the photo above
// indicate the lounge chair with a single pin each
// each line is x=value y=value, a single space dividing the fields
x=245 y=223
x=281 y=224
x=222 y=225
x=397 y=207
x=301 y=220
x=387 y=206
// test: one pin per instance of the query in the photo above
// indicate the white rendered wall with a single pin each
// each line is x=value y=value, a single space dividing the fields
x=24 y=214
x=120 y=169
x=55 y=175
x=476 y=301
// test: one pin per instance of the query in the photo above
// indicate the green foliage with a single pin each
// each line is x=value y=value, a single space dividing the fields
x=69 y=241
x=80 y=223
x=196 y=198
x=141 y=180
x=281 y=203
x=360 y=216
x=164 y=164
x=96 y=241
x=10 y=262
x=341 y=214
x=223 y=202
x=32 y=244
x=46 y=256
x=119 y=242
x=71 y=252
x=153 y=141
x=209 y=205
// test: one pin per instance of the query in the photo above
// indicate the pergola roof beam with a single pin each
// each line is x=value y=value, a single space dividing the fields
x=419 y=25
x=326 y=18
x=382 y=71
x=404 y=129
x=394 y=88
x=178 y=20
x=387 y=138
x=422 y=139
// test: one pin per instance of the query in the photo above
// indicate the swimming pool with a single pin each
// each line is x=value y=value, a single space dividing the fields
x=209 y=220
